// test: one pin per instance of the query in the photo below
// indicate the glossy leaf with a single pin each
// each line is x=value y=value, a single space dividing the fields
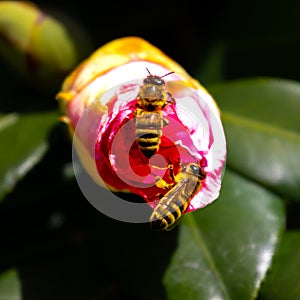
x=23 y=144
x=10 y=287
x=261 y=119
x=225 y=250
x=283 y=281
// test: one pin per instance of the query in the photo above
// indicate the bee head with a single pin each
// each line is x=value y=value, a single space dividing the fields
x=152 y=94
x=195 y=170
x=154 y=80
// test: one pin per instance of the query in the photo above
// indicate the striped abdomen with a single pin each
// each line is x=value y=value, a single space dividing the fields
x=175 y=202
x=148 y=131
x=170 y=208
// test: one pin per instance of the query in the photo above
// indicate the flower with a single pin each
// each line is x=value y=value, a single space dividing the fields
x=99 y=100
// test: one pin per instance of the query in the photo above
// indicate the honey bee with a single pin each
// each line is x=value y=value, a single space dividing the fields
x=175 y=202
x=149 y=121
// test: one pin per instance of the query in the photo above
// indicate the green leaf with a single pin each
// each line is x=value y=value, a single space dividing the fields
x=225 y=250
x=261 y=122
x=23 y=144
x=212 y=69
x=283 y=283
x=10 y=287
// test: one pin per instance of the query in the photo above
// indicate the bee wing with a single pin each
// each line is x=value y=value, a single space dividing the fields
x=172 y=195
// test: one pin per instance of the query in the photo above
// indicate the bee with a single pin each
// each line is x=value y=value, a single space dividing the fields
x=174 y=203
x=149 y=121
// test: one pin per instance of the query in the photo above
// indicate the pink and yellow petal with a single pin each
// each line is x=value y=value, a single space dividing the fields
x=98 y=99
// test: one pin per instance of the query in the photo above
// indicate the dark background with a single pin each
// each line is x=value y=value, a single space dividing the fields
x=62 y=246
x=257 y=38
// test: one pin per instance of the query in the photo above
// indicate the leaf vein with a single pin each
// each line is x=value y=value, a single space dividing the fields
x=204 y=249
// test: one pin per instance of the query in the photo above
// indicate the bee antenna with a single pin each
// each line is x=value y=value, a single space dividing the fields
x=148 y=71
x=167 y=74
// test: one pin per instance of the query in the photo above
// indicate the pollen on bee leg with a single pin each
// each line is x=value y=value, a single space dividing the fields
x=160 y=183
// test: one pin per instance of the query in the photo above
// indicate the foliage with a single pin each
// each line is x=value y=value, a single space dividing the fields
x=245 y=245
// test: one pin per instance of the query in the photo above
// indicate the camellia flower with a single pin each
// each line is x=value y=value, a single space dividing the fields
x=100 y=102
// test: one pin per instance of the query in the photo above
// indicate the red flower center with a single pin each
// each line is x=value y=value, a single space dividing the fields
x=122 y=164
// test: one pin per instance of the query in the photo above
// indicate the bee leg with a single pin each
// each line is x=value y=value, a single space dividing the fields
x=171 y=97
x=160 y=183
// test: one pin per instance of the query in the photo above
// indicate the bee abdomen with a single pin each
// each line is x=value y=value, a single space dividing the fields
x=149 y=141
x=165 y=216
x=148 y=145
x=149 y=132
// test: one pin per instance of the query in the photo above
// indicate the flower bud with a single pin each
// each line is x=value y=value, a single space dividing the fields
x=35 y=44
x=141 y=124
